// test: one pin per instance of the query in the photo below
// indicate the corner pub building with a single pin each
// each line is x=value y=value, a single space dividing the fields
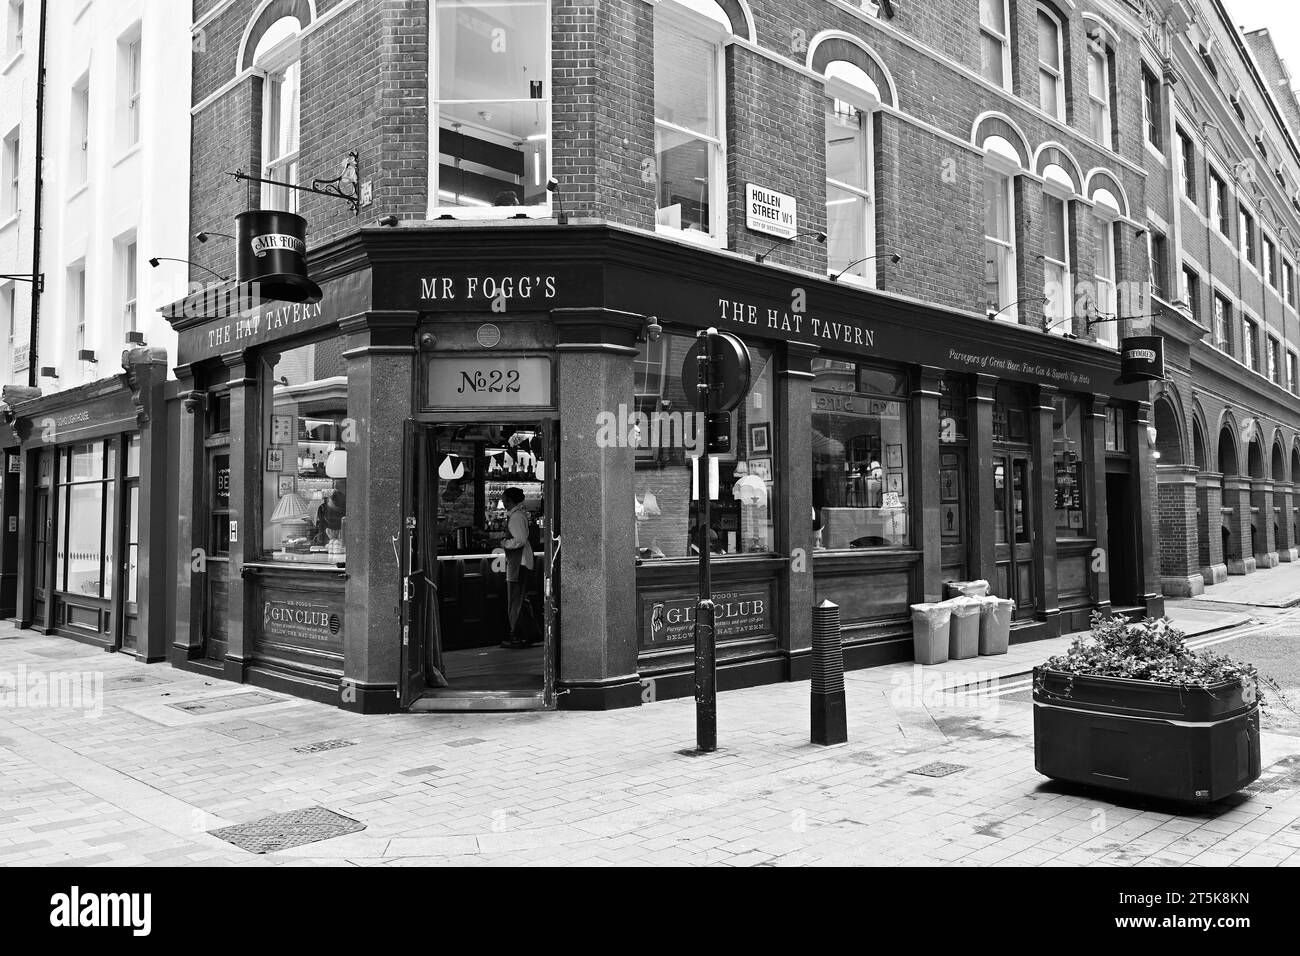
x=924 y=447
x=344 y=461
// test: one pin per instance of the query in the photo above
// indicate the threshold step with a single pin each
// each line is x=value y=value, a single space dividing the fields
x=450 y=699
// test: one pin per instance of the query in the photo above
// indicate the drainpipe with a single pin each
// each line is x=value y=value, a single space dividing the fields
x=33 y=345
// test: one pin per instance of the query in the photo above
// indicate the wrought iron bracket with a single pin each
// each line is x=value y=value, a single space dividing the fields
x=345 y=186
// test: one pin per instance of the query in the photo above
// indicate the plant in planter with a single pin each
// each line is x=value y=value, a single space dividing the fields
x=1131 y=707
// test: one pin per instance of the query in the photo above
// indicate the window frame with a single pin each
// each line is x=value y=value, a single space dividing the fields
x=1059 y=324
x=1190 y=289
x=1221 y=319
x=1158 y=262
x=1250 y=343
x=1055 y=71
x=1105 y=102
x=1268 y=263
x=1186 y=164
x=16 y=13
x=1107 y=333
x=436 y=209
x=1273 y=359
x=130 y=126
x=1288 y=283
x=1219 y=210
x=273 y=66
x=79 y=161
x=1247 y=247
x=865 y=104
x=1152 y=109
x=1292 y=372
x=1008 y=270
x=13 y=163
x=1003 y=40
x=128 y=259
x=714 y=33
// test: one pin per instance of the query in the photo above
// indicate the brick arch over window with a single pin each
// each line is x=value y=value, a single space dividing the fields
x=1229 y=458
x=1278 y=470
x=739 y=16
x=826 y=48
x=994 y=124
x=1104 y=179
x=1169 y=430
x=304 y=10
x=1295 y=460
x=1053 y=154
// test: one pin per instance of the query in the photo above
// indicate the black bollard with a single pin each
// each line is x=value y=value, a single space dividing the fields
x=830 y=722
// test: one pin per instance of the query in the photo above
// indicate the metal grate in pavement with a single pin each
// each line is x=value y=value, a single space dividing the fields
x=285 y=830
x=219 y=705
x=321 y=745
x=938 y=769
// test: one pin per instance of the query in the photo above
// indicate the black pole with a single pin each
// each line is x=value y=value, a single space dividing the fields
x=706 y=691
x=34 y=328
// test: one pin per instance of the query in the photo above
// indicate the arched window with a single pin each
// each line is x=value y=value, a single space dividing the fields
x=1058 y=287
x=1001 y=162
x=850 y=175
x=492 y=109
x=690 y=124
x=1100 y=70
x=277 y=59
x=1051 y=64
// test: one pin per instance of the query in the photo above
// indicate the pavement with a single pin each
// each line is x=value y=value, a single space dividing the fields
x=148 y=761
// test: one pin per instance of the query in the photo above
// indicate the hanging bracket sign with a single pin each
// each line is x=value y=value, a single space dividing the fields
x=1142 y=359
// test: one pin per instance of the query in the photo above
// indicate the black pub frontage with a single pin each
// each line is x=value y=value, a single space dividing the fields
x=344 y=467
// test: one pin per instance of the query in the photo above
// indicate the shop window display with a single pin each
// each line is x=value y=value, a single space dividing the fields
x=1068 y=458
x=861 y=490
x=304 y=460
x=743 y=484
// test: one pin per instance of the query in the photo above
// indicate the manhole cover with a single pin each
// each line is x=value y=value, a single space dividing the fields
x=466 y=742
x=938 y=769
x=285 y=830
x=320 y=745
x=219 y=705
x=139 y=680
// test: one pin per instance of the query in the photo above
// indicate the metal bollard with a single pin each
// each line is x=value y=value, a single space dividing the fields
x=830 y=723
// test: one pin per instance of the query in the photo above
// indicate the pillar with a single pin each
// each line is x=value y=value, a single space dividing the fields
x=1284 y=507
x=795 y=535
x=1146 y=510
x=146 y=371
x=1264 y=539
x=1176 y=490
x=925 y=508
x=1095 y=476
x=380 y=356
x=598 y=644
x=981 y=556
x=1041 y=428
x=245 y=504
x=1209 y=506
x=187 y=633
x=1236 y=515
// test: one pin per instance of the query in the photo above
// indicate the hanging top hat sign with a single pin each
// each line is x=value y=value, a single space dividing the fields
x=1142 y=359
x=272 y=253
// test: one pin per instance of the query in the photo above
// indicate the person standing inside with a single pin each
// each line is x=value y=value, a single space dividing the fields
x=519 y=568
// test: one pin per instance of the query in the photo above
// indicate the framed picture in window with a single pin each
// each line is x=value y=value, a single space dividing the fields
x=762 y=467
x=894 y=483
x=950 y=520
x=275 y=459
x=282 y=430
x=893 y=456
x=284 y=485
x=760 y=439
x=948 y=486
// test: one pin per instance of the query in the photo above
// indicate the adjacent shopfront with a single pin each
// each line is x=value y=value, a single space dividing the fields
x=86 y=485
x=346 y=463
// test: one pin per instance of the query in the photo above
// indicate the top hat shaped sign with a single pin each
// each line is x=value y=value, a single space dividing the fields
x=272 y=253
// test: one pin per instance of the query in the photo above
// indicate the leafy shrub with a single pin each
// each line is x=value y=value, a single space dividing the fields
x=1151 y=650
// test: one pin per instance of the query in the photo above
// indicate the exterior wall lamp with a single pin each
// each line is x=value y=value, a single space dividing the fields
x=1031 y=298
x=157 y=259
x=821 y=237
x=894 y=257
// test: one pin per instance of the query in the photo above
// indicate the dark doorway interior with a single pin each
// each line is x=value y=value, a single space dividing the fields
x=1122 y=527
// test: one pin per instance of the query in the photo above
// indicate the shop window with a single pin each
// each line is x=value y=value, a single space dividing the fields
x=218 y=413
x=492 y=98
x=1116 y=425
x=862 y=494
x=954 y=416
x=277 y=59
x=1103 y=244
x=668 y=436
x=995 y=44
x=304 y=460
x=1057 y=287
x=1051 y=65
x=689 y=119
x=850 y=174
x=1068 y=456
x=86 y=489
x=1100 y=70
x=1011 y=415
x=132 y=518
x=999 y=246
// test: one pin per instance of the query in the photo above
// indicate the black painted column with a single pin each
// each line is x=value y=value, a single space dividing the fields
x=245 y=503
x=925 y=485
x=1095 y=476
x=1147 y=510
x=794 y=536
x=187 y=634
x=381 y=364
x=982 y=555
x=1042 y=415
x=146 y=372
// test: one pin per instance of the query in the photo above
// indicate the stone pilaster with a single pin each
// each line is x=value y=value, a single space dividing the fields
x=1180 y=574
x=1263 y=523
x=1236 y=512
x=1284 y=507
x=1209 y=521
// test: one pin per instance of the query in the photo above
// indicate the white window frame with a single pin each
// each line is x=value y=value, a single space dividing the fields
x=76 y=310
x=1218 y=187
x=1003 y=39
x=1157 y=282
x=865 y=103
x=1221 y=307
x=129 y=272
x=1250 y=342
x=996 y=164
x=1288 y=282
x=1292 y=371
x=1060 y=324
x=1186 y=165
x=9 y=298
x=1246 y=235
x=79 y=145
x=1149 y=121
x=1107 y=305
x=132 y=65
x=1103 y=51
x=1056 y=71
x=709 y=31
x=467 y=211
x=16 y=11
x=1273 y=359
x=1268 y=260
x=13 y=171
x=272 y=65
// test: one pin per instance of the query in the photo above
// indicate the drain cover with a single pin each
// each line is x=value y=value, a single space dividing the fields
x=938 y=769
x=320 y=745
x=219 y=705
x=465 y=742
x=285 y=830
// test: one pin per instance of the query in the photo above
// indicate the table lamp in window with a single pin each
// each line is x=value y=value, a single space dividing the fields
x=294 y=514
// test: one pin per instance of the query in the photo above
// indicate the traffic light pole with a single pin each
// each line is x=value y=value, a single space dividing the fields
x=706 y=671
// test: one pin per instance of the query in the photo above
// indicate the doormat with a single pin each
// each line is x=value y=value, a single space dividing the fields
x=219 y=705
x=320 y=745
x=938 y=769
x=286 y=830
